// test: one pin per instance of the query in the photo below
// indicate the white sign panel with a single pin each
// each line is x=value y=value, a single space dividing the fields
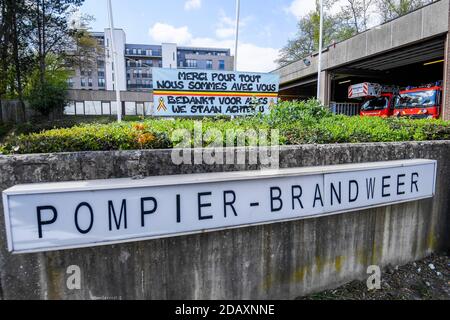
x=188 y=93
x=45 y=217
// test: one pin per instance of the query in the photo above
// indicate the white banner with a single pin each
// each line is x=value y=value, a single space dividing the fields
x=188 y=93
x=45 y=217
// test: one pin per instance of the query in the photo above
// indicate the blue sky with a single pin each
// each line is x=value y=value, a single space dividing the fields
x=266 y=25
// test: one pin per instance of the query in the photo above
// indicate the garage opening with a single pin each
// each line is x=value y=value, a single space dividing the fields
x=414 y=66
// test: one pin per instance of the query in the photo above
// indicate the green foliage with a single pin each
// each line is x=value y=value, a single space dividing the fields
x=51 y=94
x=4 y=129
x=297 y=122
x=93 y=137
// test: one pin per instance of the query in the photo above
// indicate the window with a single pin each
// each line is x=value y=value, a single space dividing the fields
x=101 y=82
x=70 y=81
x=191 y=63
x=417 y=99
x=221 y=64
x=380 y=103
x=101 y=72
x=209 y=64
x=139 y=52
x=90 y=82
x=83 y=82
x=134 y=51
x=148 y=52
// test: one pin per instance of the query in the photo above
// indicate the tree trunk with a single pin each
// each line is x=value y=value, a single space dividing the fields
x=18 y=67
x=1 y=110
x=40 y=44
x=44 y=47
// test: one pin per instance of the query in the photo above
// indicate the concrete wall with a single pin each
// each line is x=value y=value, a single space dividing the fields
x=103 y=95
x=11 y=112
x=422 y=24
x=277 y=261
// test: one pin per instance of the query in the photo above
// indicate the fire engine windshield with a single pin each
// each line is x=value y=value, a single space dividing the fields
x=380 y=103
x=417 y=99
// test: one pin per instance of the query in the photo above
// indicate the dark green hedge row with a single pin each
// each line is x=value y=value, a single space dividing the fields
x=297 y=122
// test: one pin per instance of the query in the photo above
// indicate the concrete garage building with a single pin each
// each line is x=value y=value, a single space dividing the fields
x=408 y=51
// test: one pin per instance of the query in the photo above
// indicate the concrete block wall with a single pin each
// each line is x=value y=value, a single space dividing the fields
x=276 y=261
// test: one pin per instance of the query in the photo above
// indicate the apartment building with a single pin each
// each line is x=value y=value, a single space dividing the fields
x=135 y=62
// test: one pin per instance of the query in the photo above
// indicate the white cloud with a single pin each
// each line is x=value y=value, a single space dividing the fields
x=162 y=32
x=300 y=8
x=226 y=28
x=192 y=4
x=251 y=57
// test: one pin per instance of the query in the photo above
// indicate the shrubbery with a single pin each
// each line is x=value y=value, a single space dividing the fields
x=297 y=122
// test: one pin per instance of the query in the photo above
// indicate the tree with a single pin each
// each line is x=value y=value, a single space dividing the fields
x=50 y=94
x=391 y=9
x=307 y=39
x=51 y=32
x=14 y=52
x=84 y=48
x=357 y=13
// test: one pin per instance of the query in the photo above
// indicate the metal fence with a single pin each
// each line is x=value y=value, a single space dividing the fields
x=345 y=108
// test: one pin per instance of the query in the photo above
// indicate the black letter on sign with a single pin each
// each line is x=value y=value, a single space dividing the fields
x=145 y=212
x=370 y=184
x=414 y=182
x=178 y=208
x=317 y=196
x=91 y=212
x=297 y=196
x=385 y=186
x=229 y=203
x=353 y=182
x=333 y=191
x=277 y=198
x=203 y=205
x=400 y=184
x=123 y=213
x=39 y=218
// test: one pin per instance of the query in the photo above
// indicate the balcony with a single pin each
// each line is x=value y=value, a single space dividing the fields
x=154 y=54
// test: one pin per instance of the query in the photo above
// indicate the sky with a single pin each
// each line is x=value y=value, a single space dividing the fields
x=266 y=25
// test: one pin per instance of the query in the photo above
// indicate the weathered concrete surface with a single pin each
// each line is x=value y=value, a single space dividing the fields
x=278 y=261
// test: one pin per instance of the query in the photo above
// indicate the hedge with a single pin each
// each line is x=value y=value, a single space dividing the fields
x=297 y=122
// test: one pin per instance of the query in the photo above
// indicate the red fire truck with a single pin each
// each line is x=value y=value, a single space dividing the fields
x=379 y=100
x=420 y=102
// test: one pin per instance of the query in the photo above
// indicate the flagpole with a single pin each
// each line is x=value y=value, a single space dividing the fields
x=319 y=76
x=238 y=13
x=116 y=65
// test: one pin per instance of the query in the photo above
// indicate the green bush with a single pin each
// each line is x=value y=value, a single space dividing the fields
x=297 y=122
x=4 y=129
x=93 y=137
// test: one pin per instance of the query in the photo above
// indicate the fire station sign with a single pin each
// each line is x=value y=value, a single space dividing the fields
x=184 y=92
x=45 y=217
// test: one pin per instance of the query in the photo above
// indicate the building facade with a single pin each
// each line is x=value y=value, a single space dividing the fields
x=135 y=63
